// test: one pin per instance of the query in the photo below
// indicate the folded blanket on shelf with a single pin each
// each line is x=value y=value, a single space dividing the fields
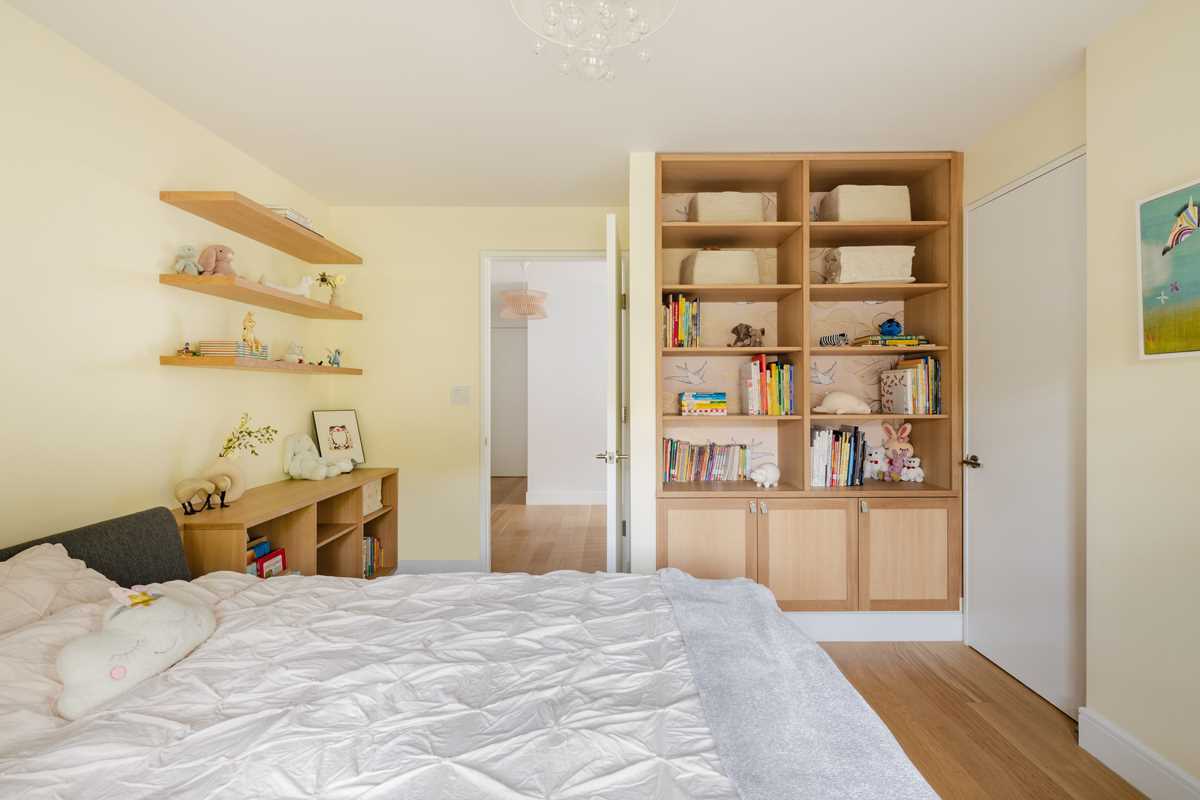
x=870 y=264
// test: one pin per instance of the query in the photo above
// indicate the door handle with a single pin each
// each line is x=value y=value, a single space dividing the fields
x=609 y=457
x=972 y=461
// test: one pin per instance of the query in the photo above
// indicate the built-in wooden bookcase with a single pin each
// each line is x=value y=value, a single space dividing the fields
x=931 y=306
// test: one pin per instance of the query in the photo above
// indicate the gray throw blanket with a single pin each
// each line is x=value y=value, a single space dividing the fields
x=786 y=722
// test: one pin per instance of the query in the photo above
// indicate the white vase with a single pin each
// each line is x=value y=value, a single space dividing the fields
x=228 y=467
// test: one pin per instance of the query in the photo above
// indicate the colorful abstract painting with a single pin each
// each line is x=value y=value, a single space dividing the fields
x=1169 y=269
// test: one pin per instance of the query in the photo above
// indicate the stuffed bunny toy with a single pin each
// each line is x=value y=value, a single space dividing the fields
x=912 y=471
x=216 y=259
x=898 y=449
x=185 y=261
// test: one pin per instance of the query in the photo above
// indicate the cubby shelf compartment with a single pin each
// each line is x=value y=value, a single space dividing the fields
x=376 y=514
x=722 y=488
x=727 y=234
x=729 y=351
x=242 y=215
x=747 y=489
x=718 y=418
x=734 y=292
x=331 y=531
x=253 y=365
x=851 y=292
x=874 y=350
x=238 y=289
x=824 y=419
x=837 y=234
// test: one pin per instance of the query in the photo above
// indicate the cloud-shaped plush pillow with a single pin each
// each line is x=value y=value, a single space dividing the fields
x=143 y=634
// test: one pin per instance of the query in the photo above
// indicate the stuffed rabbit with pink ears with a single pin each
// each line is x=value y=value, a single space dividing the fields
x=898 y=449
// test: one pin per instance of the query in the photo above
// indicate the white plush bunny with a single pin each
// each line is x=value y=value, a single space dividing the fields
x=912 y=470
x=766 y=476
x=876 y=464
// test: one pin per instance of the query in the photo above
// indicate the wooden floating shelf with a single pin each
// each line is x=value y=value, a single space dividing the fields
x=727 y=234
x=253 y=365
x=241 y=290
x=729 y=351
x=242 y=215
x=839 y=292
x=875 y=350
x=735 y=293
x=835 y=234
x=710 y=418
x=826 y=418
x=376 y=514
x=332 y=531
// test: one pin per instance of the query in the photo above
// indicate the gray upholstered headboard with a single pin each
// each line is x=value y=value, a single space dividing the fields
x=140 y=548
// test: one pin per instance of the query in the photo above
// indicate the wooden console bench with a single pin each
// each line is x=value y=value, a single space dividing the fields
x=320 y=524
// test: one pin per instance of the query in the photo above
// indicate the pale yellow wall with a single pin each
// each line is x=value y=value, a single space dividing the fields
x=1054 y=124
x=1143 y=507
x=94 y=427
x=420 y=294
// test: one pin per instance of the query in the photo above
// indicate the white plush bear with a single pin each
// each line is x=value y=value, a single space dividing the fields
x=876 y=464
x=301 y=461
x=766 y=476
x=912 y=471
x=842 y=403
x=143 y=634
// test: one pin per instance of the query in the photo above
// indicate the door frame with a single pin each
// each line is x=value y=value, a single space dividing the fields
x=1029 y=177
x=486 y=257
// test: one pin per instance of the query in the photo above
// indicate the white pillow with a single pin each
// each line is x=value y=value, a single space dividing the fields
x=143 y=634
x=44 y=580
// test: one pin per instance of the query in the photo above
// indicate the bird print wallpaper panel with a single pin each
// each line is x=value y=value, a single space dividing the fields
x=1169 y=273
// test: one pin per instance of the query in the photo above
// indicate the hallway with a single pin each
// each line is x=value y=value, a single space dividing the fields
x=540 y=539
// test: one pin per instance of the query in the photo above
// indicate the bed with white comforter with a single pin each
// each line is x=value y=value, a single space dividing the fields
x=459 y=686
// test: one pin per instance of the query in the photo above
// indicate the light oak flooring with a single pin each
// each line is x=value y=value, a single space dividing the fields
x=540 y=539
x=972 y=730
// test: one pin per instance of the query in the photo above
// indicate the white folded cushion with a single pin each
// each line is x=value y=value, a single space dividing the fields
x=871 y=264
x=850 y=203
x=727 y=207
x=720 y=266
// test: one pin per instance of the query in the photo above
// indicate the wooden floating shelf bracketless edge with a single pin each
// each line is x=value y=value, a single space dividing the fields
x=241 y=290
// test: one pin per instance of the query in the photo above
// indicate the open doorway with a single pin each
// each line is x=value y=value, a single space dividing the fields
x=548 y=378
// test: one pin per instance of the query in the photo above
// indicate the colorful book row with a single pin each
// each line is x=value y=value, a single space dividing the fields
x=681 y=322
x=768 y=387
x=838 y=457
x=913 y=386
x=684 y=462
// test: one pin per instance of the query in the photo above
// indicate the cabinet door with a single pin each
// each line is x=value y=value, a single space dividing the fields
x=808 y=553
x=708 y=538
x=910 y=555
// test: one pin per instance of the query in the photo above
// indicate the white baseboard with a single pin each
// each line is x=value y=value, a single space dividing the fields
x=1150 y=773
x=575 y=498
x=431 y=567
x=880 y=626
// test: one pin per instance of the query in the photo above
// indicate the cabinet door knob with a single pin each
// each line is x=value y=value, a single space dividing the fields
x=753 y=507
x=762 y=506
x=864 y=506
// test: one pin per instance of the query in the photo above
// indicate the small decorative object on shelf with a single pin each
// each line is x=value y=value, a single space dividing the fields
x=834 y=340
x=338 y=435
x=876 y=464
x=295 y=353
x=185 y=261
x=890 y=327
x=248 y=324
x=195 y=495
x=186 y=350
x=300 y=289
x=224 y=476
x=302 y=461
x=216 y=259
x=912 y=471
x=842 y=403
x=335 y=356
x=746 y=336
x=766 y=476
x=899 y=449
x=331 y=282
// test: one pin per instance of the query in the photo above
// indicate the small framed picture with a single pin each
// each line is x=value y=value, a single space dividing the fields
x=338 y=436
x=272 y=564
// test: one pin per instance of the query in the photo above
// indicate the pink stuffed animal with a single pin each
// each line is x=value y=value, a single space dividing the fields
x=898 y=449
x=216 y=259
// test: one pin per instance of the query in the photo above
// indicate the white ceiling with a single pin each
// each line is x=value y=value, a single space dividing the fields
x=442 y=102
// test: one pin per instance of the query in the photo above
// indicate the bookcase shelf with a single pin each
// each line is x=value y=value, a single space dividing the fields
x=253 y=365
x=837 y=234
x=841 y=419
x=860 y=292
x=729 y=234
x=875 y=350
x=734 y=293
x=242 y=215
x=238 y=289
x=729 y=351
x=331 y=531
x=704 y=419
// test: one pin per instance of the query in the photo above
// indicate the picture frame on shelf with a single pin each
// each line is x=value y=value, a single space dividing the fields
x=272 y=564
x=338 y=435
x=1168 y=259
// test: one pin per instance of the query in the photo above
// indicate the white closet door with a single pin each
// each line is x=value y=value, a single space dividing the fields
x=1026 y=253
x=510 y=402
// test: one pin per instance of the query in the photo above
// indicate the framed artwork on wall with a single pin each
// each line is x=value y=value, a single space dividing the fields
x=1169 y=273
x=338 y=435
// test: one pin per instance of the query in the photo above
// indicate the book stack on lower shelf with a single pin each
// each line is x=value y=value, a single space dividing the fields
x=372 y=556
x=685 y=462
x=703 y=404
x=839 y=457
x=262 y=561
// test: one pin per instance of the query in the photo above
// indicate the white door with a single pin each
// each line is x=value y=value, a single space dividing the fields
x=1025 y=360
x=510 y=400
x=612 y=454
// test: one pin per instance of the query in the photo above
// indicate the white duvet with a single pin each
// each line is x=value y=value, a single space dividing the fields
x=448 y=686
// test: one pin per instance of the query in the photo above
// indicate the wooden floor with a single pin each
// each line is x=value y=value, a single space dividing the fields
x=972 y=730
x=540 y=539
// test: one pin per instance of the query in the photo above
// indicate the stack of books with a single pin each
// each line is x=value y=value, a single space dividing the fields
x=233 y=347
x=292 y=215
x=838 y=456
x=683 y=461
x=262 y=561
x=703 y=404
x=768 y=387
x=681 y=322
x=900 y=340
x=372 y=556
x=913 y=387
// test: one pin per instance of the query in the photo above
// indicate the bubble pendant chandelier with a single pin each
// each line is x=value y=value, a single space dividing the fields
x=584 y=34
